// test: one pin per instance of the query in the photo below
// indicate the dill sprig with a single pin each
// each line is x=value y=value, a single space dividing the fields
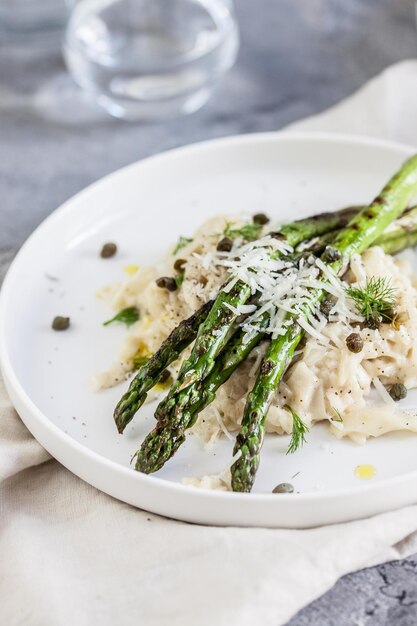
x=338 y=417
x=299 y=430
x=181 y=243
x=127 y=316
x=375 y=300
x=248 y=232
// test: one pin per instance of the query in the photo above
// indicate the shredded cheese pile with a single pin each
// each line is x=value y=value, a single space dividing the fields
x=282 y=288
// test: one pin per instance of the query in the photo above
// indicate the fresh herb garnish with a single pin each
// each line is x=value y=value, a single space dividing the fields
x=375 y=300
x=248 y=232
x=127 y=316
x=299 y=430
x=181 y=243
x=179 y=279
x=338 y=417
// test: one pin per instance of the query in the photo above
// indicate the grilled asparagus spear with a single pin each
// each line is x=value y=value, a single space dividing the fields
x=149 y=374
x=215 y=333
x=163 y=441
x=360 y=233
x=219 y=325
x=181 y=337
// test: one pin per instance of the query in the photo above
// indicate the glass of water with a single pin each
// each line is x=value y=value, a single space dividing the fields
x=150 y=59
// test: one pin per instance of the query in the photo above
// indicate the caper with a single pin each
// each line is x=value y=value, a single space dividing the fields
x=167 y=282
x=389 y=315
x=327 y=304
x=164 y=376
x=224 y=245
x=331 y=254
x=354 y=342
x=398 y=392
x=60 y=323
x=372 y=322
x=303 y=342
x=283 y=488
x=261 y=219
x=108 y=250
x=179 y=264
x=276 y=235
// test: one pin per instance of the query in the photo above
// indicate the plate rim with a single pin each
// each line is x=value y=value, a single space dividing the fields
x=20 y=397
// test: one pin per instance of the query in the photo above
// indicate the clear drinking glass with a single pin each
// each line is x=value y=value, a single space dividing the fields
x=150 y=59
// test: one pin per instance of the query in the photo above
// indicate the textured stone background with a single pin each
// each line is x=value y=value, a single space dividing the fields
x=297 y=58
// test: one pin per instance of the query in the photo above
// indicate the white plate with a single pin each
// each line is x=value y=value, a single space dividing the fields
x=143 y=208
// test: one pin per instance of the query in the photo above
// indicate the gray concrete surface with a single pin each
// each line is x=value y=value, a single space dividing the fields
x=297 y=58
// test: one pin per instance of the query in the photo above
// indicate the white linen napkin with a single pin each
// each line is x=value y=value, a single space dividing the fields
x=72 y=555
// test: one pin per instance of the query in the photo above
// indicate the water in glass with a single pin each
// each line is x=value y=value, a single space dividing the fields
x=150 y=58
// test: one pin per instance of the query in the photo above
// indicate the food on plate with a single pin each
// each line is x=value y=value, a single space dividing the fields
x=108 y=250
x=127 y=316
x=60 y=323
x=283 y=488
x=256 y=328
x=365 y=472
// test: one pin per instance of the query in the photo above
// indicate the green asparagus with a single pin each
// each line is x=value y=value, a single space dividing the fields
x=162 y=443
x=164 y=440
x=149 y=374
x=219 y=324
x=360 y=233
x=215 y=332
x=401 y=234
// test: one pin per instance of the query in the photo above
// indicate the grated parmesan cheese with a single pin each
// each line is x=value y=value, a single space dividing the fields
x=283 y=288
